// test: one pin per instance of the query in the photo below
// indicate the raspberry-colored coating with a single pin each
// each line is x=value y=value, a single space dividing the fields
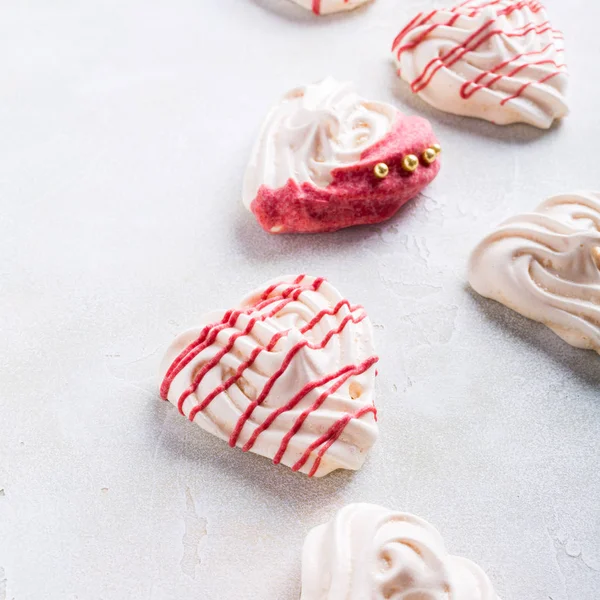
x=355 y=196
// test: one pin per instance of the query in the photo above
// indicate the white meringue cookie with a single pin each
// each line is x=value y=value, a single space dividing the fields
x=545 y=266
x=370 y=552
x=498 y=60
x=324 y=7
x=289 y=375
x=311 y=131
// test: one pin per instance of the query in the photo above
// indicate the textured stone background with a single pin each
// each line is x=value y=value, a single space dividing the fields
x=125 y=127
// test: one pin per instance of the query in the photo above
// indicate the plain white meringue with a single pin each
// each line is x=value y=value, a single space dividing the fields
x=545 y=265
x=312 y=130
x=499 y=60
x=288 y=374
x=367 y=552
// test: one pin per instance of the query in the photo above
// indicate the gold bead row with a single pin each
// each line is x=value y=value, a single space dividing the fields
x=410 y=163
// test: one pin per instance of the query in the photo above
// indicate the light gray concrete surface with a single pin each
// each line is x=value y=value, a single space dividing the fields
x=125 y=126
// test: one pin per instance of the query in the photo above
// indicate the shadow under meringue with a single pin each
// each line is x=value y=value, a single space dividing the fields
x=185 y=441
x=263 y=246
x=257 y=244
x=519 y=133
x=583 y=363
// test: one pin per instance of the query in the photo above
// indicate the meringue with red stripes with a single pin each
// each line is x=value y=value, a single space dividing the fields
x=288 y=374
x=325 y=7
x=326 y=158
x=499 y=60
x=370 y=552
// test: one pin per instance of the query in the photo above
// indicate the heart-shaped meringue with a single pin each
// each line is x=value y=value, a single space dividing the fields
x=288 y=374
x=367 y=551
x=324 y=7
x=545 y=265
x=499 y=60
x=327 y=159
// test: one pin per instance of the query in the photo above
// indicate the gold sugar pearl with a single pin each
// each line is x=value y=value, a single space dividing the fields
x=436 y=148
x=429 y=156
x=381 y=170
x=410 y=163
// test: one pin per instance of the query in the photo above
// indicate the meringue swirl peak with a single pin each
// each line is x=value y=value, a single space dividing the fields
x=370 y=552
x=545 y=265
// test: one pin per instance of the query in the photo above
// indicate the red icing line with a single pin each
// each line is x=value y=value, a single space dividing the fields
x=193 y=349
x=328 y=438
x=330 y=312
x=339 y=429
x=401 y=34
x=208 y=335
x=273 y=379
x=344 y=374
x=248 y=363
x=422 y=81
x=467 y=94
x=456 y=53
x=526 y=85
x=217 y=328
x=274 y=286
